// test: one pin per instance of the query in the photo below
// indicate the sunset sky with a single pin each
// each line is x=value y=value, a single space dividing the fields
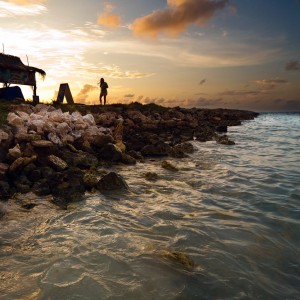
x=193 y=53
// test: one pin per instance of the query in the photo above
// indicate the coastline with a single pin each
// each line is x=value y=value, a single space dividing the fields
x=62 y=151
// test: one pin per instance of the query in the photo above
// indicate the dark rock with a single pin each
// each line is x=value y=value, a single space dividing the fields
x=184 y=147
x=224 y=140
x=169 y=166
x=22 y=184
x=127 y=159
x=67 y=186
x=110 y=152
x=222 y=128
x=41 y=188
x=151 y=176
x=35 y=175
x=4 y=190
x=79 y=159
x=136 y=155
x=112 y=181
x=46 y=172
x=102 y=140
x=19 y=164
x=159 y=149
x=3 y=170
x=29 y=168
x=90 y=179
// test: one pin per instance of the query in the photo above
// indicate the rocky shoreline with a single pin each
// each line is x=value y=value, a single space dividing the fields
x=65 y=151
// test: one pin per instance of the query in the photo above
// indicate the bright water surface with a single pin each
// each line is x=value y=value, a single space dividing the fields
x=234 y=210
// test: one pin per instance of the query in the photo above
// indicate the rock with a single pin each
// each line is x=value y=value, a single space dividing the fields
x=112 y=181
x=22 y=184
x=83 y=160
x=35 y=175
x=57 y=163
x=4 y=190
x=3 y=170
x=14 y=153
x=110 y=152
x=42 y=144
x=102 y=140
x=159 y=149
x=28 y=151
x=67 y=186
x=224 y=140
x=27 y=137
x=41 y=188
x=90 y=179
x=136 y=155
x=19 y=164
x=221 y=128
x=3 y=135
x=168 y=166
x=151 y=176
x=46 y=172
x=127 y=159
x=185 y=147
x=177 y=257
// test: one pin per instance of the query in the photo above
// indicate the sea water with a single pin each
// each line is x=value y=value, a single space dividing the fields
x=225 y=226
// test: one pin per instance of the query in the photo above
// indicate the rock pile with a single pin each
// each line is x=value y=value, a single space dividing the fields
x=48 y=151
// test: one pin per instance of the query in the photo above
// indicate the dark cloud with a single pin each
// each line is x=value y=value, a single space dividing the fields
x=286 y=105
x=240 y=93
x=270 y=84
x=129 y=96
x=177 y=16
x=292 y=65
x=202 y=81
x=84 y=93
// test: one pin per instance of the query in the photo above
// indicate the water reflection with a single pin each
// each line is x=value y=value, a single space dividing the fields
x=225 y=226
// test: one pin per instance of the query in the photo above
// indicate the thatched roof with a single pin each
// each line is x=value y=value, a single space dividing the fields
x=15 y=63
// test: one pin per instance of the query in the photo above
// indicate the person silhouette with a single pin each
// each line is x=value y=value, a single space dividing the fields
x=103 y=93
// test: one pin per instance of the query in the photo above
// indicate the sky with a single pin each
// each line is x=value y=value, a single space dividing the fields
x=241 y=54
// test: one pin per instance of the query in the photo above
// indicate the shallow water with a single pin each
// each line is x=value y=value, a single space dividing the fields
x=234 y=211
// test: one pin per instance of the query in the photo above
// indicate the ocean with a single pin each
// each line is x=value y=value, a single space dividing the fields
x=225 y=226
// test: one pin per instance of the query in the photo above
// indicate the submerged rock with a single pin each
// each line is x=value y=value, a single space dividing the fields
x=169 y=166
x=112 y=181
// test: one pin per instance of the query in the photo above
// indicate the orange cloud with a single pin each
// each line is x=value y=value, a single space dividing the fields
x=107 y=19
x=177 y=16
x=26 y=2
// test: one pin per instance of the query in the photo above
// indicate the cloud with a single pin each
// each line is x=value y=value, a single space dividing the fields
x=26 y=2
x=202 y=82
x=270 y=84
x=129 y=96
x=21 y=8
x=84 y=93
x=240 y=93
x=107 y=19
x=175 y=18
x=292 y=65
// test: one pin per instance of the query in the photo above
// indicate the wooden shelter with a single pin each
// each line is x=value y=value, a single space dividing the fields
x=13 y=71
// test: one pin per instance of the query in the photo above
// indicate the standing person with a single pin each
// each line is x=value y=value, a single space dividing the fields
x=103 y=93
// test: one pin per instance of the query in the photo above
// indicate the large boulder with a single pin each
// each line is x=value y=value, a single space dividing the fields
x=112 y=181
